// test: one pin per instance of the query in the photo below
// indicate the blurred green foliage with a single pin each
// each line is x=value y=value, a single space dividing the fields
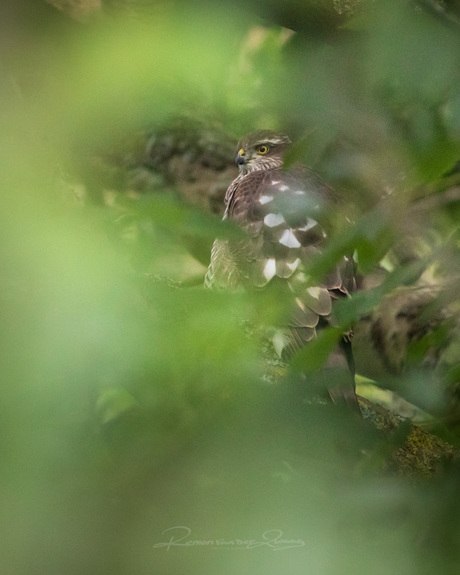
x=132 y=400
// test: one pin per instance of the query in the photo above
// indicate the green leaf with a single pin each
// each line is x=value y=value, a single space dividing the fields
x=313 y=356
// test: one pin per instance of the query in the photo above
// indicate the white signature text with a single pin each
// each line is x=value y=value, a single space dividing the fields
x=180 y=536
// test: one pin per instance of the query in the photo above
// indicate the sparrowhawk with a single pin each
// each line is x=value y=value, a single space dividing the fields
x=284 y=213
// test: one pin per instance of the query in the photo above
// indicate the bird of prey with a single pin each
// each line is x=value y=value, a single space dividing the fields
x=284 y=214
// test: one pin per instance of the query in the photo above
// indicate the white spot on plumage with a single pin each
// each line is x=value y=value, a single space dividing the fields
x=272 y=220
x=293 y=266
x=279 y=341
x=282 y=188
x=314 y=292
x=299 y=193
x=300 y=303
x=289 y=240
x=311 y=223
x=270 y=269
x=265 y=199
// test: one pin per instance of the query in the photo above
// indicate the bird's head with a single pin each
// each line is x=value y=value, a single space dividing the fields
x=261 y=150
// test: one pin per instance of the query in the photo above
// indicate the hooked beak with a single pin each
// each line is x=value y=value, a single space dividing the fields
x=241 y=158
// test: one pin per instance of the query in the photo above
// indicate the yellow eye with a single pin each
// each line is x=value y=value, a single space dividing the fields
x=262 y=149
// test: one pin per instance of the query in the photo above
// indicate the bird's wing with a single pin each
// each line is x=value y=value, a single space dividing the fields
x=281 y=212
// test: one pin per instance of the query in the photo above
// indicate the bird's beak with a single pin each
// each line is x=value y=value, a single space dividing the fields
x=241 y=158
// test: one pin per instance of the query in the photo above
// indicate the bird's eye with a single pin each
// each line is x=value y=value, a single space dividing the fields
x=262 y=149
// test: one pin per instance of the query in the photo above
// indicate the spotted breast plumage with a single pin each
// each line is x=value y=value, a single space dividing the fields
x=284 y=214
